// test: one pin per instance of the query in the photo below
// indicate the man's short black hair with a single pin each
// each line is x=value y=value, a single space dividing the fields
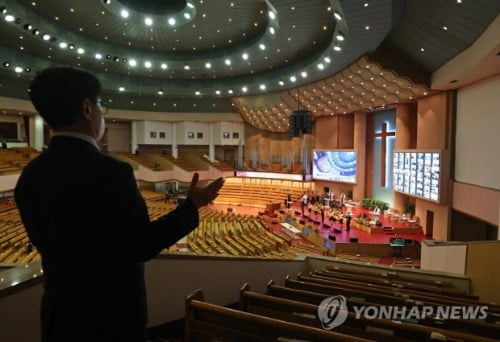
x=58 y=93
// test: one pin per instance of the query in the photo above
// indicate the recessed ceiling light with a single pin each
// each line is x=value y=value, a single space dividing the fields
x=445 y=28
x=124 y=13
x=262 y=46
x=80 y=51
x=63 y=45
x=132 y=63
x=272 y=15
x=340 y=36
x=262 y=86
x=187 y=15
x=293 y=78
x=327 y=59
x=337 y=48
x=337 y=15
x=227 y=61
x=272 y=30
x=18 y=69
x=148 y=21
x=367 y=27
x=9 y=18
x=281 y=83
x=186 y=66
x=164 y=66
x=121 y=88
x=217 y=92
x=422 y=49
x=171 y=21
x=148 y=64
x=46 y=36
x=303 y=74
x=244 y=89
x=244 y=56
x=197 y=92
x=321 y=66
x=98 y=56
x=208 y=65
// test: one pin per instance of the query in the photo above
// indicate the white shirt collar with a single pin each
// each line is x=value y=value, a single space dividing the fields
x=80 y=136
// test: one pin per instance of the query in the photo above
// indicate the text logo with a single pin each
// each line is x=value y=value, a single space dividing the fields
x=333 y=312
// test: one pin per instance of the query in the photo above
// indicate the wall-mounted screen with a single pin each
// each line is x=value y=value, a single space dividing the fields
x=334 y=165
x=418 y=173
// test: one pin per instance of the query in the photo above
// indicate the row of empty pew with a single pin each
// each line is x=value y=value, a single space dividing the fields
x=291 y=312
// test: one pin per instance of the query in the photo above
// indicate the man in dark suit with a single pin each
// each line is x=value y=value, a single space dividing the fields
x=84 y=213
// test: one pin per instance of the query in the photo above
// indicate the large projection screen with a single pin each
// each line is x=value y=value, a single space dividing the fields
x=334 y=165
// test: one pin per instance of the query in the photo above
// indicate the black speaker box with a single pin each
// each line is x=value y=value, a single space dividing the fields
x=353 y=239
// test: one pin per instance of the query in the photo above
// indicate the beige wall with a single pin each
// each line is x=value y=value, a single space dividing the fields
x=476 y=201
x=482 y=268
x=433 y=120
x=119 y=136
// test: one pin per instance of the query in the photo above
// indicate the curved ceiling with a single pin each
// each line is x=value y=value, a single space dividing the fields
x=251 y=57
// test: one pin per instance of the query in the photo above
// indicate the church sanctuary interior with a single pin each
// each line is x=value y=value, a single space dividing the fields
x=358 y=139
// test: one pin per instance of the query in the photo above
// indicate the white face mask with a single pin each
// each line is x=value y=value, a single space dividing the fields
x=102 y=126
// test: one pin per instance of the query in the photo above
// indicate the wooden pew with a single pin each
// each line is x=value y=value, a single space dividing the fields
x=378 y=329
x=393 y=283
x=209 y=322
x=486 y=330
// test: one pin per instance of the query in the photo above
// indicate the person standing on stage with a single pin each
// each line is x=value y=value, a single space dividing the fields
x=303 y=202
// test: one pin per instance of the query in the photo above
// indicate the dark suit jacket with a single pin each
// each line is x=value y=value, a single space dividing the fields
x=83 y=211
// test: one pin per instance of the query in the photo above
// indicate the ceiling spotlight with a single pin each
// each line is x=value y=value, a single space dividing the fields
x=148 y=64
x=80 y=51
x=107 y=2
x=262 y=86
x=164 y=66
x=244 y=56
x=160 y=92
x=18 y=69
x=124 y=60
x=337 y=15
x=272 y=15
x=121 y=89
x=9 y=18
x=337 y=48
x=187 y=15
x=19 y=20
x=98 y=56
x=272 y=30
x=116 y=59
x=230 y=91
x=6 y=64
x=303 y=74
x=340 y=36
x=262 y=46
x=327 y=59
x=3 y=9
x=53 y=39
x=208 y=65
x=148 y=21
x=227 y=61
x=46 y=36
x=63 y=45
x=281 y=83
x=28 y=26
x=171 y=21
x=293 y=78
x=244 y=89
x=132 y=62
x=71 y=46
x=321 y=66
x=27 y=69
x=197 y=92
x=124 y=13
x=217 y=92
x=186 y=66
x=108 y=56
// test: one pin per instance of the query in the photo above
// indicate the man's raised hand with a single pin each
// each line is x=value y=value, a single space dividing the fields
x=203 y=196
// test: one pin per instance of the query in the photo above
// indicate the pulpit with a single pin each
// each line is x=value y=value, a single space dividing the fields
x=272 y=206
